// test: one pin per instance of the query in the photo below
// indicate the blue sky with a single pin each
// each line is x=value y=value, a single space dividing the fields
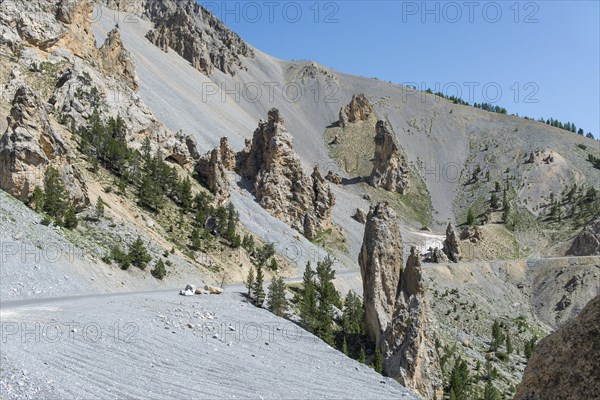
x=544 y=56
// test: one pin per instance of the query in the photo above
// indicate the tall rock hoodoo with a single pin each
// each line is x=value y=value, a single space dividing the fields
x=280 y=184
x=395 y=307
x=390 y=170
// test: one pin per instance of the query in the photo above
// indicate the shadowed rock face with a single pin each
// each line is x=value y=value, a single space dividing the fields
x=395 y=309
x=587 y=242
x=566 y=363
x=390 y=171
x=407 y=349
x=212 y=172
x=380 y=262
x=280 y=184
x=196 y=35
x=30 y=145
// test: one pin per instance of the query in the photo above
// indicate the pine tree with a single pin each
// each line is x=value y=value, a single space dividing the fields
x=459 y=380
x=250 y=282
x=352 y=314
x=362 y=358
x=70 y=220
x=509 y=346
x=494 y=201
x=497 y=187
x=345 y=346
x=470 y=217
x=496 y=336
x=308 y=303
x=327 y=297
x=55 y=194
x=138 y=255
x=276 y=301
x=196 y=240
x=378 y=362
x=99 y=212
x=36 y=201
x=159 y=271
x=490 y=392
x=258 y=293
x=185 y=193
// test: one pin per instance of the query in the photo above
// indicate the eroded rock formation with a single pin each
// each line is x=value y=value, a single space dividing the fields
x=451 y=248
x=408 y=350
x=566 y=363
x=380 y=262
x=359 y=109
x=30 y=145
x=227 y=154
x=280 y=184
x=196 y=35
x=587 y=242
x=360 y=215
x=212 y=172
x=390 y=171
x=333 y=178
x=395 y=307
x=115 y=60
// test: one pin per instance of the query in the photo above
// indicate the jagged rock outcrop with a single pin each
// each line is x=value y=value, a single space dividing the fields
x=472 y=234
x=227 y=155
x=358 y=110
x=280 y=184
x=566 y=364
x=77 y=17
x=390 y=170
x=438 y=256
x=587 y=242
x=115 y=60
x=380 y=262
x=451 y=248
x=360 y=215
x=407 y=347
x=30 y=145
x=196 y=35
x=211 y=171
x=333 y=178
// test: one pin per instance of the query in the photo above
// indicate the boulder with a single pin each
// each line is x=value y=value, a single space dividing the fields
x=213 y=289
x=333 y=178
x=360 y=215
x=451 y=248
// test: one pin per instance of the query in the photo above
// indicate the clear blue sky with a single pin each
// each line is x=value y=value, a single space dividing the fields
x=555 y=45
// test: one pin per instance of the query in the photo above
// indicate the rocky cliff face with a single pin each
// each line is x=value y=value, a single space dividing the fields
x=115 y=60
x=395 y=308
x=227 y=154
x=390 y=170
x=380 y=262
x=358 y=110
x=196 y=35
x=566 y=363
x=30 y=145
x=587 y=242
x=451 y=248
x=280 y=184
x=212 y=172
x=407 y=347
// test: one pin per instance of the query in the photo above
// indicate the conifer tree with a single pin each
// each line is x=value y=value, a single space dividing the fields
x=490 y=392
x=470 y=217
x=494 y=201
x=159 y=271
x=308 y=303
x=509 y=346
x=138 y=255
x=99 y=211
x=459 y=380
x=185 y=193
x=362 y=358
x=70 y=220
x=36 y=201
x=276 y=301
x=250 y=282
x=259 y=291
x=345 y=346
x=327 y=297
x=378 y=362
x=55 y=194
